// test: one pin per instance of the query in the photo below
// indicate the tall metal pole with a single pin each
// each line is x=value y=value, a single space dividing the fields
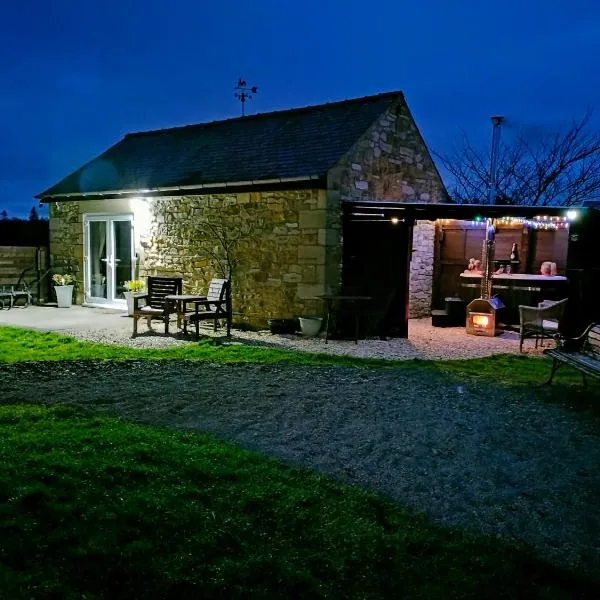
x=492 y=191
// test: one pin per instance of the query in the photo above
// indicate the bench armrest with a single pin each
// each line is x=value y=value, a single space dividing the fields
x=573 y=344
x=565 y=344
x=206 y=303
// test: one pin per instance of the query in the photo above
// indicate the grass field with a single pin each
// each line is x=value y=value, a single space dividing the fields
x=93 y=507
x=17 y=344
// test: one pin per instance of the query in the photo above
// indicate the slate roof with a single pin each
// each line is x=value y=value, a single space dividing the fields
x=300 y=142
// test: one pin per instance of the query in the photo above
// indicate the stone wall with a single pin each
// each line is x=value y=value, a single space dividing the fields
x=66 y=242
x=421 y=269
x=390 y=162
x=284 y=245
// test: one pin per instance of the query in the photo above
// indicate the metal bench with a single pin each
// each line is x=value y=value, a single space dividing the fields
x=582 y=353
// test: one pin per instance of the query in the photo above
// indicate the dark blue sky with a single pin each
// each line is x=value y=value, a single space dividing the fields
x=76 y=76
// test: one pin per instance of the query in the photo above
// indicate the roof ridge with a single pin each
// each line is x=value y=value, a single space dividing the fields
x=266 y=114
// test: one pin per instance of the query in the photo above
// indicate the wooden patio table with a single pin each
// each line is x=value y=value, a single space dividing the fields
x=354 y=301
x=181 y=301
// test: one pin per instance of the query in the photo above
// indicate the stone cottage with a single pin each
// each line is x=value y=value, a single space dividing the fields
x=261 y=196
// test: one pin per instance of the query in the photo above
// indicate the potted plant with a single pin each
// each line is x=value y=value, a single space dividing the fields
x=310 y=325
x=63 y=288
x=98 y=285
x=131 y=288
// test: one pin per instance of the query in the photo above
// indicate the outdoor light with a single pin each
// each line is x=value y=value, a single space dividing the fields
x=395 y=220
x=572 y=215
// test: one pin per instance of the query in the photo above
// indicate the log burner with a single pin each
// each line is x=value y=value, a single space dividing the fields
x=481 y=312
x=481 y=316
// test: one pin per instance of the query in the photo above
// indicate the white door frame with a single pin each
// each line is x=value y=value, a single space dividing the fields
x=111 y=292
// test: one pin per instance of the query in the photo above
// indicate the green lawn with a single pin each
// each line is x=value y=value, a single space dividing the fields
x=98 y=508
x=18 y=344
x=94 y=507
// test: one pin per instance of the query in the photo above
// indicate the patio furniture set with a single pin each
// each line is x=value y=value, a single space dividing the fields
x=165 y=298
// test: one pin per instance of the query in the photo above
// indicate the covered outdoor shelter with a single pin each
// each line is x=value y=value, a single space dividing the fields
x=378 y=245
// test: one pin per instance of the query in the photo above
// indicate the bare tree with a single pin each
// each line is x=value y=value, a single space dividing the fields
x=221 y=238
x=535 y=167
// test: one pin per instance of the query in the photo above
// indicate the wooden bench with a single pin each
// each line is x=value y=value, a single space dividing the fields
x=582 y=352
x=156 y=307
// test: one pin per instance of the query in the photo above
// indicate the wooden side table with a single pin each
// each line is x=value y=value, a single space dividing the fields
x=181 y=301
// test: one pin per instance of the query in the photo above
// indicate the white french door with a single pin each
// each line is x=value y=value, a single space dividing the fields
x=109 y=257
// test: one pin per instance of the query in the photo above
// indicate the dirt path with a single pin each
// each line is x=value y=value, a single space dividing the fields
x=492 y=460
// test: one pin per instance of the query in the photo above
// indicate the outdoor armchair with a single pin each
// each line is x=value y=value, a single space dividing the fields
x=540 y=322
x=215 y=306
x=156 y=306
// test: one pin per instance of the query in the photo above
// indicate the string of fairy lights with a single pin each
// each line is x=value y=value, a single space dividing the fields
x=543 y=222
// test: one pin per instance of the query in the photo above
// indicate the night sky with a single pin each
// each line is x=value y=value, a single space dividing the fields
x=76 y=76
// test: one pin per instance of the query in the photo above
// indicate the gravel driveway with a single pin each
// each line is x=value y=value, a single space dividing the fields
x=494 y=461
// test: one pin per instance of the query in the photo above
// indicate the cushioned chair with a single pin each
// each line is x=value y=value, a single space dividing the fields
x=542 y=321
x=156 y=306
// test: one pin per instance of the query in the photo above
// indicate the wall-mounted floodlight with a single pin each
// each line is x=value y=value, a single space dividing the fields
x=572 y=215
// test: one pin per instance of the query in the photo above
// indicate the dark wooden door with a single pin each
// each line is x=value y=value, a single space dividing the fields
x=375 y=263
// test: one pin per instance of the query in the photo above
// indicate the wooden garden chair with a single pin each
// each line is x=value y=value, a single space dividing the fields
x=215 y=306
x=156 y=306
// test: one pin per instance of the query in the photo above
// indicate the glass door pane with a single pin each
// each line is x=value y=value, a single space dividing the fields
x=122 y=257
x=97 y=259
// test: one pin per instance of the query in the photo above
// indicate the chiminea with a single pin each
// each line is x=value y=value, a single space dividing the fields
x=481 y=312
x=481 y=316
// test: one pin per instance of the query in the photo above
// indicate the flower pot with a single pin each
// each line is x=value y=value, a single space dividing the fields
x=64 y=295
x=98 y=290
x=129 y=298
x=310 y=326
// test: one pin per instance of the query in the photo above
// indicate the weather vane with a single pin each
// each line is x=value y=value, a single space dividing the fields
x=243 y=93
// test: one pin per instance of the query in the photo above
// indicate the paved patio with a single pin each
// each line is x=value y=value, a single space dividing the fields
x=51 y=318
x=114 y=327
